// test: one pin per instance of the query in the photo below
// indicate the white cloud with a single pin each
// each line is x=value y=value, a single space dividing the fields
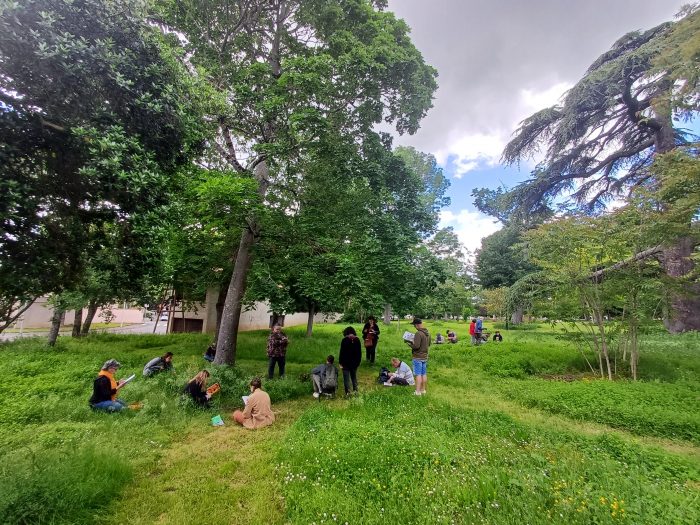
x=471 y=151
x=470 y=226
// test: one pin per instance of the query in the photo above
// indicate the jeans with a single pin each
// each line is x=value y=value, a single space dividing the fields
x=271 y=366
x=371 y=352
x=110 y=406
x=350 y=374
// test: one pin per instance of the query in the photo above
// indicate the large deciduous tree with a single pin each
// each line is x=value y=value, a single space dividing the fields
x=604 y=136
x=291 y=71
x=95 y=114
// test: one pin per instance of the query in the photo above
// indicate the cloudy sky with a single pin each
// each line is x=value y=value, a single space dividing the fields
x=498 y=62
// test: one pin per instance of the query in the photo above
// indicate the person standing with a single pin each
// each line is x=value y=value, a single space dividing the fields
x=350 y=358
x=105 y=388
x=370 y=334
x=276 y=351
x=419 y=350
x=472 y=330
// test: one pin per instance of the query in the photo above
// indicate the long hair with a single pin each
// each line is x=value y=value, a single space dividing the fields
x=201 y=378
x=348 y=331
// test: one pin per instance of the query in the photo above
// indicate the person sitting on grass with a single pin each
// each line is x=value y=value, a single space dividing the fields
x=325 y=378
x=158 y=364
x=439 y=339
x=403 y=375
x=105 y=388
x=210 y=353
x=451 y=336
x=197 y=389
x=497 y=337
x=258 y=408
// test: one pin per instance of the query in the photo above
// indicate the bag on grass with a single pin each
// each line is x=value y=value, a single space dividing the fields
x=383 y=375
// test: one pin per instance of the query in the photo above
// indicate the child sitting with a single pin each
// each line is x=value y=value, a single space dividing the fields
x=325 y=378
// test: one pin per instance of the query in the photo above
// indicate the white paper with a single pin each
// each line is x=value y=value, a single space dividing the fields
x=129 y=379
x=408 y=336
x=245 y=399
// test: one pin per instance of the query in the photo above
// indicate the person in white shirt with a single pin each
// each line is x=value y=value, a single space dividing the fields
x=403 y=375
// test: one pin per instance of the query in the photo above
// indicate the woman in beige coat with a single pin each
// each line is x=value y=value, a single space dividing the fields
x=258 y=411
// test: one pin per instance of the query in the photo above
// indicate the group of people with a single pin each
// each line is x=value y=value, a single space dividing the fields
x=256 y=414
x=451 y=337
x=324 y=377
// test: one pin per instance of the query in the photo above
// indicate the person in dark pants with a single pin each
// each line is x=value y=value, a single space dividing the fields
x=276 y=351
x=370 y=334
x=350 y=358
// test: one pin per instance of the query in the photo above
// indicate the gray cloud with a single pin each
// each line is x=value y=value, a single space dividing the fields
x=488 y=51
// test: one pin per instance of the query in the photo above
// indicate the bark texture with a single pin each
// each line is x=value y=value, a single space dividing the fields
x=310 y=321
x=77 y=322
x=55 y=325
x=683 y=301
x=91 y=311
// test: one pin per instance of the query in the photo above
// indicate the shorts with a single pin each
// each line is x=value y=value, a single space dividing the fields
x=420 y=367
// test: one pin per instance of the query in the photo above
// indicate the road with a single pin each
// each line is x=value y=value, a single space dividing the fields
x=144 y=328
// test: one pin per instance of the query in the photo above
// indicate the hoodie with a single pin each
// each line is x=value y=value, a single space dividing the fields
x=420 y=344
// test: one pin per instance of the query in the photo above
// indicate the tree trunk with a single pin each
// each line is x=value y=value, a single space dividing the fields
x=55 y=325
x=219 y=311
x=231 y=314
x=77 y=322
x=91 y=311
x=684 y=299
x=310 y=321
x=517 y=315
x=387 y=313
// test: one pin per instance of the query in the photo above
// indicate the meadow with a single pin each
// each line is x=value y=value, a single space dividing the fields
x=500 y=437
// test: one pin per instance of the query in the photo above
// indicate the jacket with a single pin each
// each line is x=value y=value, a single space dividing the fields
x=324 y=371
x=277 y=345
x=420 y=344
x=155 y=365
x=258 y=411
x=472 y=328
x=198 y=395
x=350 y=352
x=104 y=388
x=375 y=335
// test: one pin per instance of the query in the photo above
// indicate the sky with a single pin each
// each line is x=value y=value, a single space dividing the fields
x=498 y=62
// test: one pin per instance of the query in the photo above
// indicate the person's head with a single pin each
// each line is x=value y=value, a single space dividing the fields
x=372 y=320
x=349 y=331
x=439 y=334
x=276 y=328
x=395 y=362
x=499 y=333
x=255 y=383
x=201 y=378
x=418 y=323
x=330 y=359
x=111 y=366
x=167 y=357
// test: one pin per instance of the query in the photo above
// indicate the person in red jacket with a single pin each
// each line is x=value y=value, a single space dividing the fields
x=472 y=330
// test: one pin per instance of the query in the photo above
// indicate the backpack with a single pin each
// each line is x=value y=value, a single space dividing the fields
x=383 y=375
x=330 y=378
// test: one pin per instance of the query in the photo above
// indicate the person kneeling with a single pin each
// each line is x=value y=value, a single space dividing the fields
x=325 y=378
x=258 y=408
x=158 y=364
x=403 y=375
x=197 y=389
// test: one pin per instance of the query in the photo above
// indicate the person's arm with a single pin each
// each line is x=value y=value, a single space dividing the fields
x=104 y=388
x=376 y=330
x=318 y=370
x=248 y=410
x=416 y=343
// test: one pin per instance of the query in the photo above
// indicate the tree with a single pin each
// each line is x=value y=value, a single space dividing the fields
x=291 y=71
x=602 y=139
x=95 y=114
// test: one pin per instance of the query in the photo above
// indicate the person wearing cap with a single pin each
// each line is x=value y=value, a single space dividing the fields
x=158 y=364
x=105 y=388
x=419 y=350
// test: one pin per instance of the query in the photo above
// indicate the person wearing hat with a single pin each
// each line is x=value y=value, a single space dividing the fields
x=105 y=388
x=419 y=349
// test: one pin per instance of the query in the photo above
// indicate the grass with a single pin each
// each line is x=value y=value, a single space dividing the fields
x=495 y=441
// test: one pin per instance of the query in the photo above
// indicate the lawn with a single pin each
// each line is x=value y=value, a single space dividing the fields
x=498 y=439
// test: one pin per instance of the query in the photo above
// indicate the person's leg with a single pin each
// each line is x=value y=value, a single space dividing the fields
x=346 y=380
x=353 y=376
x=316 y=381
x=372 y=351
x=109 y=406
x=270 y=367
x=238 y=417
x=282 y=363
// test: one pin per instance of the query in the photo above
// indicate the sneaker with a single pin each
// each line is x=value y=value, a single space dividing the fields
x=317 y=395
x=387 y=383
x=416 y=393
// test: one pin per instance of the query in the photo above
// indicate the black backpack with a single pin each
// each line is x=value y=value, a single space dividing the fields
x=383 y=375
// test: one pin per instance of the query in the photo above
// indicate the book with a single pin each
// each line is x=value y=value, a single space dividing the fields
x=213 y=389
x=131 y=377
x=245 y=399
x=409 y=336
